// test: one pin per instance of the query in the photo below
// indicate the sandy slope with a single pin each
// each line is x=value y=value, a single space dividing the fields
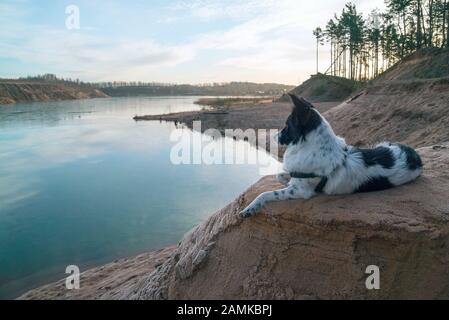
x=322 y=88
x=413 y=112
x=19 y=91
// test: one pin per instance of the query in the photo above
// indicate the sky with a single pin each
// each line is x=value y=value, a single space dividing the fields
x=180 y=41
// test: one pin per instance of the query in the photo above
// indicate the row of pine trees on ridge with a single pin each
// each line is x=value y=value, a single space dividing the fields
x=361 y=48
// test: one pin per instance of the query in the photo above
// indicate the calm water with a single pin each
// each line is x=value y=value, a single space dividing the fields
x=82 y=183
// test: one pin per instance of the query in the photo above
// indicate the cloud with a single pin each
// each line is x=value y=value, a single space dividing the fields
x=235 y=9
x=94 y=57
x=275 y=38
x=274 y=41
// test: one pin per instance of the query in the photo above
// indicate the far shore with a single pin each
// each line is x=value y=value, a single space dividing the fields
x=51 y=88
x=262 y=115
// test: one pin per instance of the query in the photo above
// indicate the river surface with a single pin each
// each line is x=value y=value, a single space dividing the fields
x=82 y=183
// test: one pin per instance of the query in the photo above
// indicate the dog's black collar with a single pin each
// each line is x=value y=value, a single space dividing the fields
x=301 y=175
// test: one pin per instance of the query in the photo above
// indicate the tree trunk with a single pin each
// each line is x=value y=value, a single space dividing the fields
x=447 y=24
x=443 y=42
x=423 y=24
x=360 y=65
x=332 y=61
x=334 y=68
x=404 y=40
x=430 y=35
x=366 y=64
x=418 y=25
x=337 y=66
x=337 y=60
x=350 y=61
x=376 y=70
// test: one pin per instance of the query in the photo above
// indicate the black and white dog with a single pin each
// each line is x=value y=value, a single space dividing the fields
x=317 y=161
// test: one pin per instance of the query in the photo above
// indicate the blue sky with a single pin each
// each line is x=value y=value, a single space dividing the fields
x=182 y=41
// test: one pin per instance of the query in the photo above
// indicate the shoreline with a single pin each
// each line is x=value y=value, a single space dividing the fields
x=203 y=102
x=259 y=116
x=50 y=101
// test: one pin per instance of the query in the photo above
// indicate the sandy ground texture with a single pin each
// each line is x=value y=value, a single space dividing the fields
x=104 y=282
x=412 y=112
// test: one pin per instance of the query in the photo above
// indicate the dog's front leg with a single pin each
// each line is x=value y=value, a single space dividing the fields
x=293 y=191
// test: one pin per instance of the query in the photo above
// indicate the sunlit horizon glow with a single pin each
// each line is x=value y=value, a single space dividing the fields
x=190 y=41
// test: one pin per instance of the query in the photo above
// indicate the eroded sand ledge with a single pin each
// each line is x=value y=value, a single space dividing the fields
x=105 y=282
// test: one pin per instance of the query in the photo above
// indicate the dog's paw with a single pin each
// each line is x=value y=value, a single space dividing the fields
x=250 y=210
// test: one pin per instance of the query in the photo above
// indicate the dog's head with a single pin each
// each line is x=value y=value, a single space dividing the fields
x=303 y=120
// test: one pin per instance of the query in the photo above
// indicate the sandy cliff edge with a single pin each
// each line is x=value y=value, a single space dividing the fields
x=104 y=282
x=25 y=92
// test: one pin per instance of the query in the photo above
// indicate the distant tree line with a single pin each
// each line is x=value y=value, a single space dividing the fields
x=135 y=88
x=49 y=77
x=362 y=48
x=215 y=89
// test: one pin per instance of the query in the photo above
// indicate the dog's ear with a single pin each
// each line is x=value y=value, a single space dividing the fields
x=301 y=110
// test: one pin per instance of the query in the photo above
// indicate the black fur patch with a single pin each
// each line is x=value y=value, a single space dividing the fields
x=413 y=159
x=377 y=156
x=375 y=184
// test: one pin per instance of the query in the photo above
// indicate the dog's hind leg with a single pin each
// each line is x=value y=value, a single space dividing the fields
x=293 y=191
